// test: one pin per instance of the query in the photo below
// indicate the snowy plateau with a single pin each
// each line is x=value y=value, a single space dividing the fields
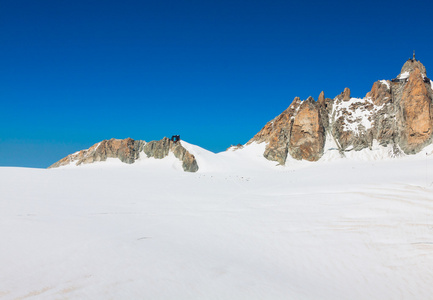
x=241 y=227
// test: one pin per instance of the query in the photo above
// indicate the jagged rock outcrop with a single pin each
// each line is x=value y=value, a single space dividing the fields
x=380 y=92
x=415 y=114
x=307 y=137
x=298 y=130
x=128 y=151
x=325 y=106
x=160 y=149
x=346 y=94
x=189 y=163
x=384 y=124
x=276 y=133
x=395 y=112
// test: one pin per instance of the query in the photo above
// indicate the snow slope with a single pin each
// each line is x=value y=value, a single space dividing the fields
x=240 y=228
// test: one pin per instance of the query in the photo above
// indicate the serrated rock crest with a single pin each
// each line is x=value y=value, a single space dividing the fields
x=395 y=112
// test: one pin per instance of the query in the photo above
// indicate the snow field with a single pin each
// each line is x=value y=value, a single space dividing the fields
x=342 y=229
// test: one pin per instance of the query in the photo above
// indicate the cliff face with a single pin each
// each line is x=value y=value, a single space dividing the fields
x=128 y=151
x=415 y=117
x=276 y=133
x=397 y=113
x=307 y=137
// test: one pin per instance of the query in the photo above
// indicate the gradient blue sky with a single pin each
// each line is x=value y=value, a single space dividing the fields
x=73 y=73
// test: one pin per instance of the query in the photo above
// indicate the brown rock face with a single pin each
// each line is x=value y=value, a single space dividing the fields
x=380 y=93
x=299 y=130
x=345 y=95
x=276 y=134
x=410 y=65
x=321 y=100
x=308 y=136
x=325 y=105
x=158 y=149
x=128 y=151
x=189 y=163
x=416 y=114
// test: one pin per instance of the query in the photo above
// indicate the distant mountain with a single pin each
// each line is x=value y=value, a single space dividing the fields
x=396 y=114
x=129 y=150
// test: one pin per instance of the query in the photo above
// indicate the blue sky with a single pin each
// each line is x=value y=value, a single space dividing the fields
x=73 y=73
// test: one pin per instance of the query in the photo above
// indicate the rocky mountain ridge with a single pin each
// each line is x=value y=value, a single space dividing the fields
x=129 y=150
x=396 y=113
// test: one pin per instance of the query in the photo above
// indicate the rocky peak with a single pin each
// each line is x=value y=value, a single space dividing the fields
x=409 y=66
x=321 y=99
x=380 y=92
x=345 y=95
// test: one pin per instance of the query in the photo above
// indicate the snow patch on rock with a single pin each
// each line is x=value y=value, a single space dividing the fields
x=356 y=115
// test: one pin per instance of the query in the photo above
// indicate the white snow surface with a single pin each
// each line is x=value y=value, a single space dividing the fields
x=240 y=228
x=404 y=75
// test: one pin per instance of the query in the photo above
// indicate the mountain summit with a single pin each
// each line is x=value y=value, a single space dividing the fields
x=396 y=113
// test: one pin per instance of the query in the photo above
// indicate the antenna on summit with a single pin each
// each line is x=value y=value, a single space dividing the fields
x=414 y=55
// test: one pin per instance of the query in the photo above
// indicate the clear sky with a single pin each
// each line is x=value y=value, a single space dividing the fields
x=73 y=73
